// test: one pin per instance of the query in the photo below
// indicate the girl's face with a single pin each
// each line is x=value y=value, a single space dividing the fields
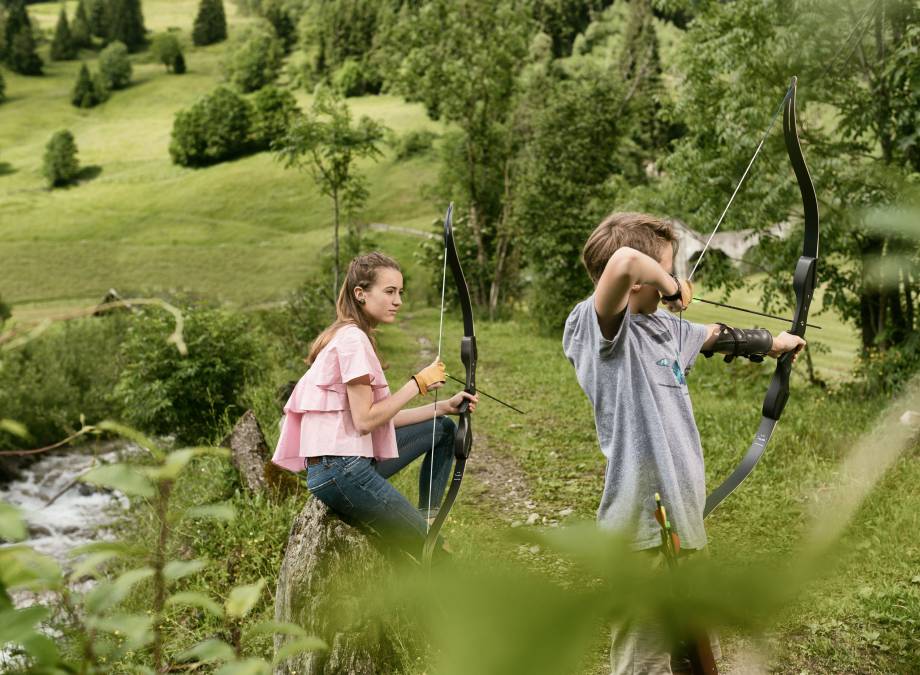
x=384 y=298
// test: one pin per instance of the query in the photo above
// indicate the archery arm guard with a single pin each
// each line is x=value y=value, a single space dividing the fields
x=751 y=343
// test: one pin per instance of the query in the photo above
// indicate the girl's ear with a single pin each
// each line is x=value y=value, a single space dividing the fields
x=635 y=288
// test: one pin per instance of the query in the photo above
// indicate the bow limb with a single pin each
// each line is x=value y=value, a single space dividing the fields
x=803 y=283
x=463 y=437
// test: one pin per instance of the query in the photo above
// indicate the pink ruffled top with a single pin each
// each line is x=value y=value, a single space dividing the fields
x=317 y=419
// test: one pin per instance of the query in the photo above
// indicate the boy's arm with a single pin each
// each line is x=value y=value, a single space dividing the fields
x=749 y=342
x=626 y=268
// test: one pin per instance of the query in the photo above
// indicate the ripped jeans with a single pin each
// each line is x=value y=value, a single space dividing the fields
x=357 y=489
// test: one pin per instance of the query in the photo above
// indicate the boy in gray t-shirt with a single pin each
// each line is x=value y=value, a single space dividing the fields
x=631 y=359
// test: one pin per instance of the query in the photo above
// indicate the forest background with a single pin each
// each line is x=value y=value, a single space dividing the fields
x=228 y=159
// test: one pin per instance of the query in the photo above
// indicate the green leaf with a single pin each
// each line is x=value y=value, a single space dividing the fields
x=110 y=593
x=212 y=511
x=87 y=566
x=43 y=649
x=23 y=567
x=299 y=646
x=280 y=627
x=199 y=600
x=15 y=428
x=243 y=598
x=17 y=625
x=12 y=524
x=176 y=569
x=122 y=477
x=245 y=667
x=135 y=628
x=209 y=650
x=116 y=547
x=132 y=435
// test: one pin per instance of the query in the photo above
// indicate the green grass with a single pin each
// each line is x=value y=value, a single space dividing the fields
x=243 y=231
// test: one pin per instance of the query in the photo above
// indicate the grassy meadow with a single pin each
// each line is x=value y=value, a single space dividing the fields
x=247 y=232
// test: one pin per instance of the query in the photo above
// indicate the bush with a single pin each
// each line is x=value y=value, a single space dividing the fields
x=5 y=312
x=115 y=65
x=210 y=23
x=256 y=61
x=178 y=64
x=89 y=91
x=166 y=48
x=412 y=143
x=307 y=311
x=348 y=80
x=68 y=371
x=214 y=129
x=60 y=165
x=273 y=111
x=163 y=392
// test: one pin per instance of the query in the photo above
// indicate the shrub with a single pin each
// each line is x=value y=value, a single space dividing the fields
x=2 y=88
x=412 y=143
x=273 y=111
x=256 y=61
x=63 y=47
x=5 y=312
x=307 y=311
x=348 y=80
x=178 y=64
x=210 y=23
x=163 y=392
x=60 y=165
x=165 y=48
x=215 y=128
x=115 y=65
x=89 y=90
x=68 y=371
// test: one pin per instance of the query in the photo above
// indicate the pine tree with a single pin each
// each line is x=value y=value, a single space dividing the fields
x=84 y=94
x=80 y=30
x=62 y=47
x=178 y=64
x=20 y=43
x=126 y=24
x=98 y=20
x=210 y=24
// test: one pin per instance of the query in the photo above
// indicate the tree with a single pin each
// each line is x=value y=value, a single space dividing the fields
x=21 y=56
x=62 y=47
x=178 y=64
x=2 y=88
x=125 y=23
x=210 y=23
x=60 y=164
x=98 y=19
x=279 y=17
x=80 y=30
x=115 y=65
x=215 y=128
x=165 y=48
x=327 y=144
x=84 y=95
x=5 y=312
x=256 y=61
x=274 y=110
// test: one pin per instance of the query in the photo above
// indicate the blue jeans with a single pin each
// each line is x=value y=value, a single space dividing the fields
x=357 y=489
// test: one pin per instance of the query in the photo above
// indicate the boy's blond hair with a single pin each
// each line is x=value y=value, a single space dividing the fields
x=640 y=231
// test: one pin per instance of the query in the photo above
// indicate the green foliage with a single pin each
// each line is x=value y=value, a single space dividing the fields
x=98 y=20
x=19 y=45
x=178 y=64
x=60 y=165
x=166 y=48
x=214 y=129
x=279 y=16
x=273 y=111
x=67 y=372
x=413 y=143
x=349 y=80
x=564 y=186
x=563 y=20
x=307 y=311
x=80 y=30
x=115 y=65
x=89 y=90
x=2 y=88
x=125 y=23
x=210 y=23
x=5 y=311
x=63 y=47
x=255 y=60
x=163 y=392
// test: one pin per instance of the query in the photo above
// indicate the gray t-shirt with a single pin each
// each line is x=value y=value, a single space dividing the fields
x=644 y=420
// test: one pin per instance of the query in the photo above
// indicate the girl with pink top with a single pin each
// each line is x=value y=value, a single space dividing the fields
x=344 y=426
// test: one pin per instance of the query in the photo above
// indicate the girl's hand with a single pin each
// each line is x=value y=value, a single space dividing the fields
x=452 y=405
x=430 y=377
x=787 y=342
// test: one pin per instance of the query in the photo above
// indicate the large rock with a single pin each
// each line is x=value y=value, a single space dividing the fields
x=328 y=566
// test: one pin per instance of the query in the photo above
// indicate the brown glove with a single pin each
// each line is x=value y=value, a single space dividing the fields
x=680 y=299
x=433 y=374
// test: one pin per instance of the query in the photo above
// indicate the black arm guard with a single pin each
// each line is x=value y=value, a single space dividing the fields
x=751 y=343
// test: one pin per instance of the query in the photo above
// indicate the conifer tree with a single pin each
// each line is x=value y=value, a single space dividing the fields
x=126 y=24
x=62 y=47
x=210 y=24
x=80 y=30
x=20 y=43
x=84 y=94
x=178 y=64
x=98 y=20
x=2 y=88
